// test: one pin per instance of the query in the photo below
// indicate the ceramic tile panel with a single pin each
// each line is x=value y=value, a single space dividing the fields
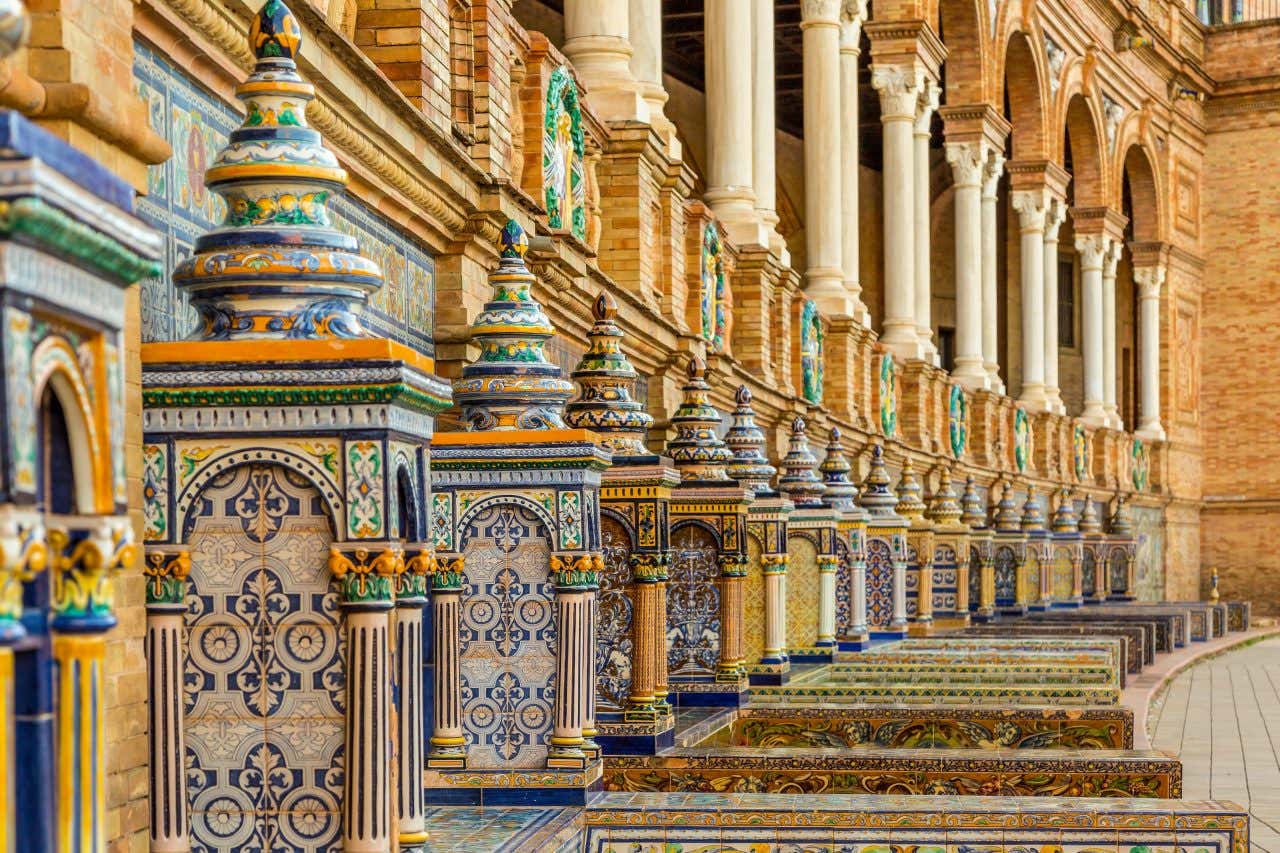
x=1006 y=573
x=802 y=593
x=613 y=620
x=946 y=580
x=879 y=582
x=753 y=604
x=693 y=603
x=844 y=586
x=508 y=646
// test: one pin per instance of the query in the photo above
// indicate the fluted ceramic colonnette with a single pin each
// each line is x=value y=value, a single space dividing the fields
x=166 y=603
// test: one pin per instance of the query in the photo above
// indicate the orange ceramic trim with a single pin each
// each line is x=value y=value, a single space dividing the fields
x=517 y=437
x=209 y=352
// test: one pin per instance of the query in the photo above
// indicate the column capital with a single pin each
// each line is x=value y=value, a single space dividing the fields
x=974 y=122
x=819 y=13
x=1032 y=207
x=968 y=162
x=853 y=13
x=1150 y=253
x=366 y=573
x=1093 y=249
x=1150 y=281
x=1111 y=259
x=930 y=97
x=166 y=572
x=83 y=560
x=899 y=87
x=992 y=171
x=1055 y=215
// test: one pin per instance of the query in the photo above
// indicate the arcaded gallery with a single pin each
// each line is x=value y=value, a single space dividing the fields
x=639 y=426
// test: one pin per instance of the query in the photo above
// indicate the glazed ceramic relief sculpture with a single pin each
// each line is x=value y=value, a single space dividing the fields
x=1121 y=552
x=765 y=595
x=1036 y=575
x=982 y=584
x=705 y=652
x=919 y=577
x=633 y=713
x=1068 y=552
x=516 y=498
x=1009 y=553
x=285 y=432
x=810 y=591
x=950 y=566
x=886 y=552
x=841 y=494
x=71 y=247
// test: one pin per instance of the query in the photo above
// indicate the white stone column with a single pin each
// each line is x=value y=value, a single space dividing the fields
x=645 y=31
x=764 y=124
x=730 y=138
x=899 y=90
x=823 y=181
x=1054 y=215
x=1030 y=205
x=925 y=108
x=899 y=594
x=1150 y=281
x=1092 y=249
x=775 y=611
x=858 y=580
x=967 y=160
x=993 y=169
x=1109 y=263
x=852 y=16
x=597 y=41
x=826 y=602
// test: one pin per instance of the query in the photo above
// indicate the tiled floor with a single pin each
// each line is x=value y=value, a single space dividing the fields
x=1222 y=717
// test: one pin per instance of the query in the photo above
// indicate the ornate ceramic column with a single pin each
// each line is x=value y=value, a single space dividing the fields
x=1150 y=281
x=729 y=77
x=899 y=89
x=574 y=579
x=82 y=563
x=925 y=108
x=1055 y=213
x=645 y=650
x=448 y=745
x=852 y=15
x=824 y=274
x=1093 y=249
x=411 y=598
x=661 y=683
x=992 y=171
x=597 y=41
x=23 y=554
x=367 y=574
x=1109 y=263
x=1031 y=206
x=968 y=160
x=166 y=603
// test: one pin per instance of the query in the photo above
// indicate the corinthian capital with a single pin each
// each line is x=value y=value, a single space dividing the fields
x=1150 y=280
x=820 y=12
x=853 y=13
x=899 y=88
x=968 y=161
x=1032 y=206
x=1093 y=248
x=927 y=104
x=992 y=171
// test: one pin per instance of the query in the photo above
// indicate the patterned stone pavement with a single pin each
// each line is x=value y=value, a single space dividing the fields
x=1222 y=717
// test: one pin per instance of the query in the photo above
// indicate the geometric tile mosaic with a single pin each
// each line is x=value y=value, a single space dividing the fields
x=802 y=593
x=879 y=583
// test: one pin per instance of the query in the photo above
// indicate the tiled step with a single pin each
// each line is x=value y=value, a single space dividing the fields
x=933 y=694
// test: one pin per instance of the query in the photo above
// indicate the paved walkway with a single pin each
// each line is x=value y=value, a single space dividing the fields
x=1222 y=718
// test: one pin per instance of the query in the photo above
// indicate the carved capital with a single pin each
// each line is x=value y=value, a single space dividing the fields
x=166 y=573
x=1093 y=249
x=899 y=88
x=853 y=13
x=820 y=12
x=968 y=162
x=419 y=565
x=774 y=564
x=576 y=572
x=23 y=554
x=82 y=562
x=1031 y=206
x=1150 y=281
x=650 y=567
x=449 y=574
x=366 y=574
x=926 y=105
x=992 y=171
x=733 y=565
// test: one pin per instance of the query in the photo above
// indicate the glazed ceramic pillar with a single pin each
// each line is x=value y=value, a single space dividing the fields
x=645 y=648
x=661 y=684
x=22 y=553
x=899 y=89
x=573 y=582
x=764 y=125
x=924 y=594
x=774 y=569
x=732 y=577
x=851 y=17
x=1030 y=205
x=597 y=41
x=1092 y=248
x=8 y=812
x=166 y=605
x=824 y=274
x=858 y=597
x=729 y=121
x=826 y=601
x=645 y=34
x=925 y=109
x=367 y=599
x=588 y=680
x=448 y=745
x=993 y=169
x=1054 y=215
x=899 y=594
x=1150 y=280
x=1109 y=263
x=411 y=599
x=967 y=161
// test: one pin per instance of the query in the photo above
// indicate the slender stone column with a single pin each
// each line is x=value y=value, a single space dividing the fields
x=1093 y=248
x=1055 y=213
x=851 y=17
x=1030 y=205
x=826 y=601
x=1109 y=263
x=859 y=597
x=774 y=569
x=411 y=599
x=1150 y=280
x=993 y=169
x=729 y=122
x=899 y=90
x=925 y=108
x=823 y=228
x=574 y=580
x=448 y=745
x=967 y=160
x=645 y=31
x=597 y=41
x=899 y=591
x=367 y=599
x=645 y=648
x=924 y=590
x=764 y=124
x=166 y=604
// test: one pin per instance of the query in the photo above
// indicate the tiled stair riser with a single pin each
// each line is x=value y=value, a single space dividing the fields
x=1137 y=651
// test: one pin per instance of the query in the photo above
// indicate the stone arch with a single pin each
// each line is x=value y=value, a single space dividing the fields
x=623 y=522
x=964 y=26
x=1024 y=89
x=1081 y=123
x=214 y=466
x=1137 y=168
x=543 y=514
x=408 y=507
x=57 y=369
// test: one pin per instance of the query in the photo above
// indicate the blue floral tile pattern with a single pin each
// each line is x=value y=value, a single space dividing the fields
x=613 y=619
x=879 y=583
x=693 y=603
